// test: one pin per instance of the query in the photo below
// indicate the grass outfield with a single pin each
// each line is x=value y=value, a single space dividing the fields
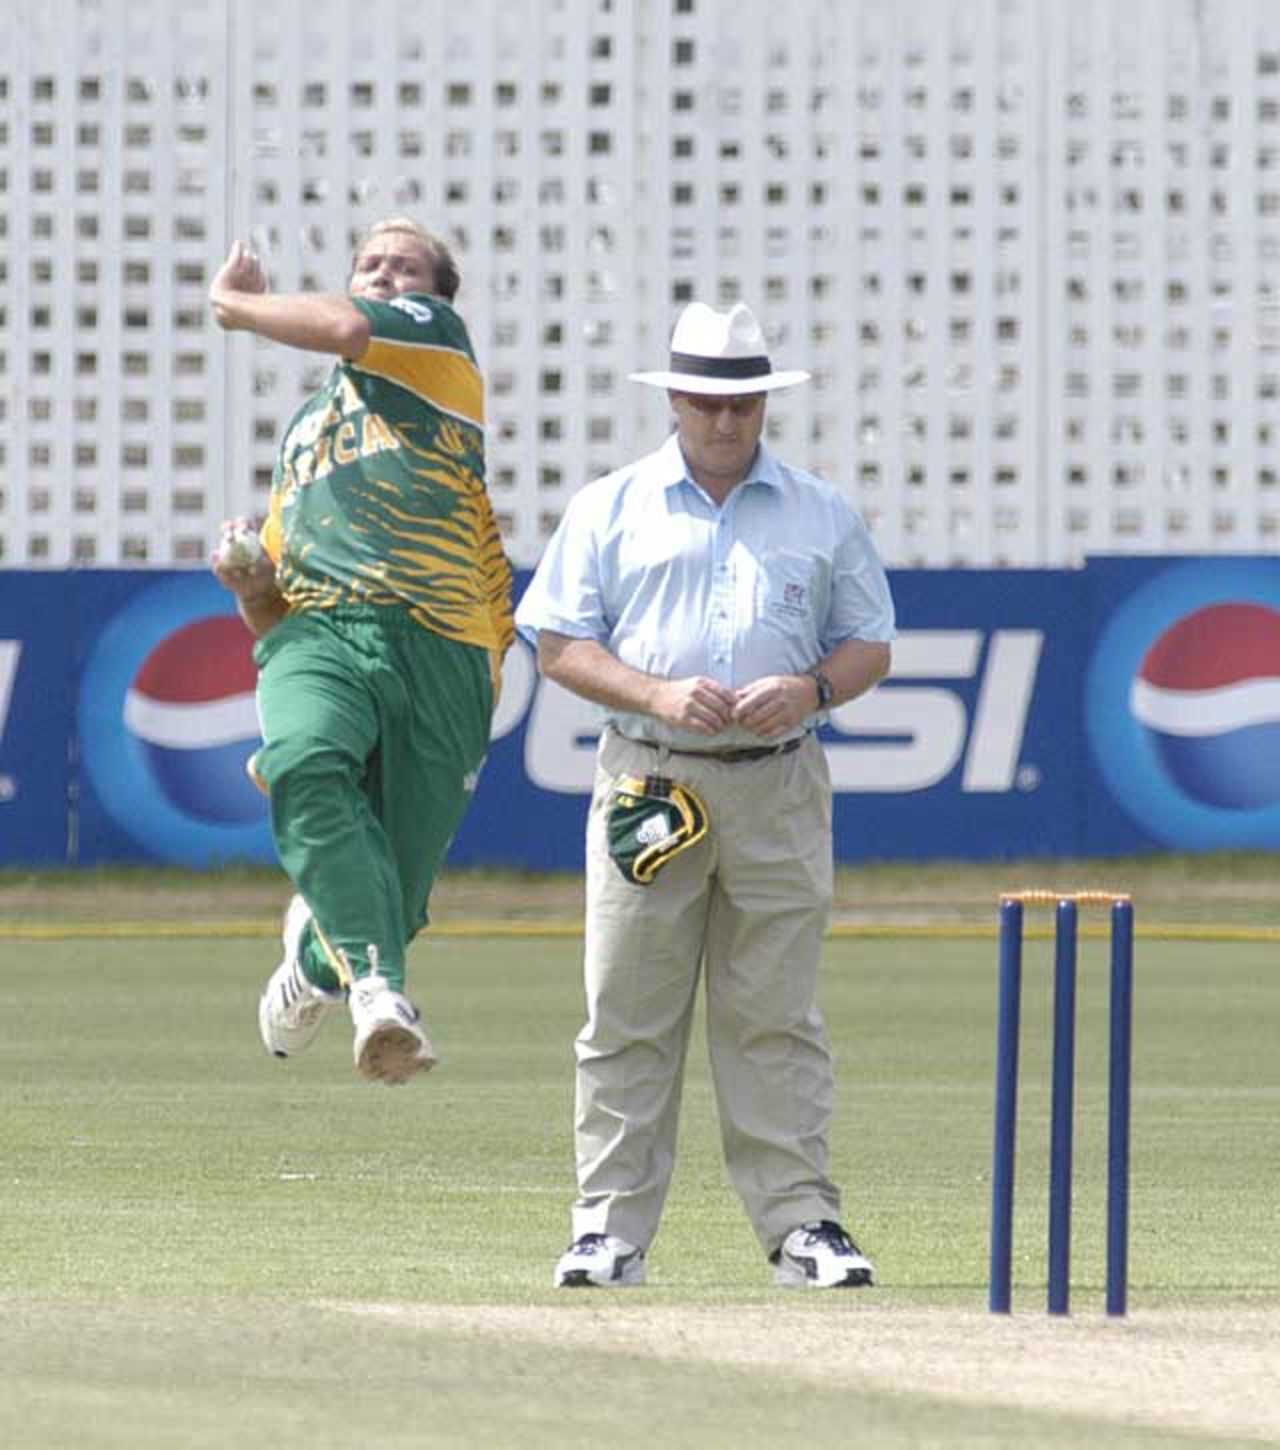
x=206 y=1247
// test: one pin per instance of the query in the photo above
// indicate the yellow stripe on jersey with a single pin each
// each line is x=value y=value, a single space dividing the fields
x=441 y=376
x=272 y=531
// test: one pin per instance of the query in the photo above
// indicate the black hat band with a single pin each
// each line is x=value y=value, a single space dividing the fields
x=717 y=367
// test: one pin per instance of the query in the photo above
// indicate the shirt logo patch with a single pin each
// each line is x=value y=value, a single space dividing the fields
x=419 y=311
x=788 y=599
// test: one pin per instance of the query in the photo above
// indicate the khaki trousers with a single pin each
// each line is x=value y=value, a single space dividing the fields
x=750 y=904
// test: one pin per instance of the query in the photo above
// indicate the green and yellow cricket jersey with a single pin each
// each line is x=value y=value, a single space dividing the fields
x=379 y=492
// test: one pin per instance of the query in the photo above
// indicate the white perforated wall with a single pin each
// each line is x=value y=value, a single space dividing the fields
x=1030 y=249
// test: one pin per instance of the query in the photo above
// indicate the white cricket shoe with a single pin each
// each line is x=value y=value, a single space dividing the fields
x=821 y=1255
x=601 y=1261
x=390 y=1045
x=291 y=1007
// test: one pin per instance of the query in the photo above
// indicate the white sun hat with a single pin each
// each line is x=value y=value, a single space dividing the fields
x=721 y=353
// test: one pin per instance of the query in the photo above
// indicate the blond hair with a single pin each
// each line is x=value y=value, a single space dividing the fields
x=445 y=275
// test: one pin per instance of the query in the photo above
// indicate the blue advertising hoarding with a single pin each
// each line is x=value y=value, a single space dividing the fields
x=1131 y=705
x=972 y=748
x=165 y=719
x=37 y=675
x=1182 y=703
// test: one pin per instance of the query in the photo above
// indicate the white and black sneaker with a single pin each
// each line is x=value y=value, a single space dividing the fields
x=291 y=1007
x=821 y=1255
x=390 y=1045
x=600 y=1261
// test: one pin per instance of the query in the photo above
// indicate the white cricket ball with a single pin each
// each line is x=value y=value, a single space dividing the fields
x=240 y=550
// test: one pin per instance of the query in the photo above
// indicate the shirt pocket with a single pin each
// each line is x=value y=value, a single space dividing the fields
x=787 y=590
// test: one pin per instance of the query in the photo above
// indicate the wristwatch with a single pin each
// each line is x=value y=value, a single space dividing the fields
x=826 y=690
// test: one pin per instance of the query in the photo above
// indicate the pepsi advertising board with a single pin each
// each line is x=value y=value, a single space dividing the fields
x=37 y=673
x=1127 y=706
x=1182 y=703
x=165 y=717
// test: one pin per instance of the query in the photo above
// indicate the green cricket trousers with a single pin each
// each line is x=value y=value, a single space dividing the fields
x=374 y=731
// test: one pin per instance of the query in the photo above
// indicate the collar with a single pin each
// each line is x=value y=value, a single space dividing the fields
x=669 y=467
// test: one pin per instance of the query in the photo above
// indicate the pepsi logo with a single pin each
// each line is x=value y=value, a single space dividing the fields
x=166 y=721
x=1182 y=701
x=1208 y=693
x=191 y=706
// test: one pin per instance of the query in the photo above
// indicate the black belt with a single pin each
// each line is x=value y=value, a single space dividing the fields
x=734 y=757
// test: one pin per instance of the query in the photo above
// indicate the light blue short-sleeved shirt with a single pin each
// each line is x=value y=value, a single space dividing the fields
x=767 y=583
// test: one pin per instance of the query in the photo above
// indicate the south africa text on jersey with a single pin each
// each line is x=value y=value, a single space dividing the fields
x=315 y=446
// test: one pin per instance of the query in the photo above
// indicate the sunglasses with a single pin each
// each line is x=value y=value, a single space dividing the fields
x=741 y=405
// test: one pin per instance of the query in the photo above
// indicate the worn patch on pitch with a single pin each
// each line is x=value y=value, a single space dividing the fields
x=1214 y=1370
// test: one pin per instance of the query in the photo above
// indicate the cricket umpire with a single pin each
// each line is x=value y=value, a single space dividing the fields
x=716 y=603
